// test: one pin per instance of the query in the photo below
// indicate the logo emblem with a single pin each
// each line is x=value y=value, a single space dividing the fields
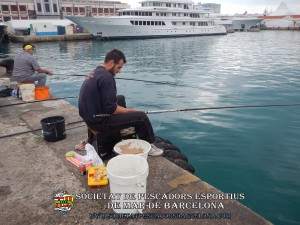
x=63 y=201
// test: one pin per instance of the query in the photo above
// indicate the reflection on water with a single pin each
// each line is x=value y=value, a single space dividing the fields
x=251 y=151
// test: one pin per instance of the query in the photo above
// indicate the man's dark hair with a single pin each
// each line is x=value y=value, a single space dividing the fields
x=115 y=55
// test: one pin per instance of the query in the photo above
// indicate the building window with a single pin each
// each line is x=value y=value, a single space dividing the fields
x=100 y=10
x=94 y=10
x=173 y=23
x=13 y=8
x=54 y=7
x=81 y=9
x=39 y=7
x=47 y=7
x=22 y=8
x=5 y=8
x=111 y=10
x=68 y=9
x=75 y=9
x=106 y=10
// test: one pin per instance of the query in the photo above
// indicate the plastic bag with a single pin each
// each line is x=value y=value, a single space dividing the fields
x=93 y=155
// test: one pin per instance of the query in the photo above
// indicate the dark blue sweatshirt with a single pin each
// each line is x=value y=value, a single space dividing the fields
x=98 y=96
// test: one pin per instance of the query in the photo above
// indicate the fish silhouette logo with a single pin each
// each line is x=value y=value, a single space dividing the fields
x=63 y=201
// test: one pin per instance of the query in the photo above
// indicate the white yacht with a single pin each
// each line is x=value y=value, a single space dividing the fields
x=154 y=19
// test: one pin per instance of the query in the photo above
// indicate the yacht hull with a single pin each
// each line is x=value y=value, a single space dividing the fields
x=122 y=28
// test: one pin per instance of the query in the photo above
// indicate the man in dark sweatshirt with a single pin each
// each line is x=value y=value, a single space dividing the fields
x=102 y=110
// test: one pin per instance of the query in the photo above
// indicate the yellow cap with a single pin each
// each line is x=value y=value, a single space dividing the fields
x=27 y=47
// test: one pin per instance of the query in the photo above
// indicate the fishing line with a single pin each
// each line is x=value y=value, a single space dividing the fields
x=34 y=130
x=52 y=99
x=139 y=80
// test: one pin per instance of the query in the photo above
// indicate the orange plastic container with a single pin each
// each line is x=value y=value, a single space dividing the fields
x=42 y=93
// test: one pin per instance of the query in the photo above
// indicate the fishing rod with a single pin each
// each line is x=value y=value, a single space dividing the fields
x=34 y=130
x=222 y=107
x=139 y=80
x=51 y=99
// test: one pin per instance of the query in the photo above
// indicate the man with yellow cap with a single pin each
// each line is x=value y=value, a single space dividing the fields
x=27 y=69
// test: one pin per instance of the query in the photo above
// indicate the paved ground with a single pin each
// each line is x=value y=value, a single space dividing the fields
x=33 y=170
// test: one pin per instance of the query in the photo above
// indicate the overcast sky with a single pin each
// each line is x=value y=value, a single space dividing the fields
x=239 y=6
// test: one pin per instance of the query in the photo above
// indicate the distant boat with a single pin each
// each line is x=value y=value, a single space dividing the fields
x=283 y=17
x=237 y=22
x=155 y=19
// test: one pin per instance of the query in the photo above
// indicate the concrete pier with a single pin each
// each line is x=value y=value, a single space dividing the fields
x=69 y=37
x=33 y=171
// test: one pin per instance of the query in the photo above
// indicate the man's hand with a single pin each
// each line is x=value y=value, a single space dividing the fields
x=121 y=110
x=91 y=75
x=50 y=73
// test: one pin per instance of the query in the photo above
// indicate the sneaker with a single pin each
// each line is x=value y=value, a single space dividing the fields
x=155 y=151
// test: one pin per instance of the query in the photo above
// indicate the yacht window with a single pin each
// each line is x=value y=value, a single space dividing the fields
x=144 y=23
x=136 y=13
x=159 y=23
x=140 y=23
x=148 y=23
x=156 y=23
x=173 y=23
x=132 y=22
x=183 y=23
x=143 y=4
x=163 y=23
x=173 y=14
x=174 y=5
x=146 y=13
x=168 y=4
x=157 y=14
x=139 y=13
x=150 y=13
x=152 y=23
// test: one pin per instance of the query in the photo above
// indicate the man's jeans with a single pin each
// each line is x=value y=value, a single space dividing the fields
x=39 y=77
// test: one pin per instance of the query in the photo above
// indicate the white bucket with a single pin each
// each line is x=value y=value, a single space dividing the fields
x=127 y=180
x=27 y=92
x=133 y=144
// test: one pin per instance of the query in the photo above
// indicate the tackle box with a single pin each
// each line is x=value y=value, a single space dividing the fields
x=91 y=176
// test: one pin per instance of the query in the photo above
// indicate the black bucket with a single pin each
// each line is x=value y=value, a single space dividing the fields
x=54 y=128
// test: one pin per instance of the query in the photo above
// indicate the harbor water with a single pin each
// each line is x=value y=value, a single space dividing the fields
x=255 y=151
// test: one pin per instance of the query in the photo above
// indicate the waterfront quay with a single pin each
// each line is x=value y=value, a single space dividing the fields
x=53 y=38
x=34 y=170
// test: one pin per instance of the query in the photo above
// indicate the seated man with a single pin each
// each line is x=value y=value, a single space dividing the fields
x=101 y=109
x=26 y=66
